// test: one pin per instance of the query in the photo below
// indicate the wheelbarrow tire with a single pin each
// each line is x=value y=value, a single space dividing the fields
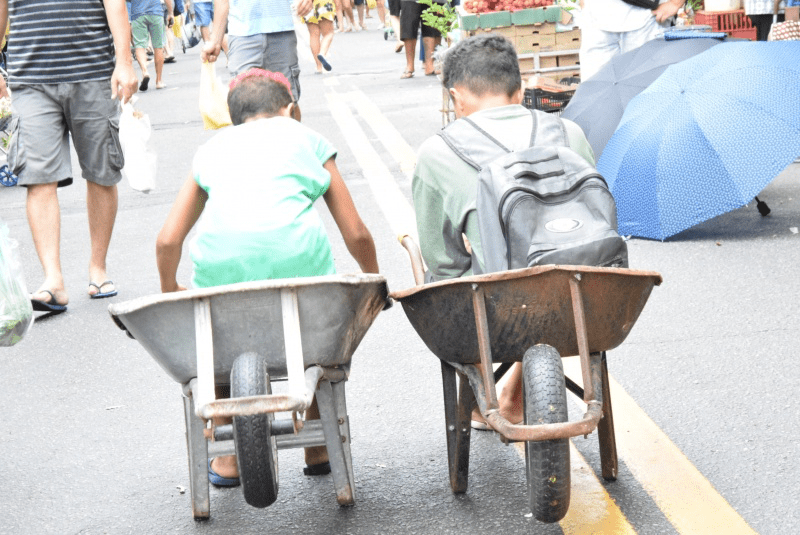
x=548 y=464
x=256 y=450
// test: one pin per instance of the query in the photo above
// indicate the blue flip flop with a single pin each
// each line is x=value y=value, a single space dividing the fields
x=325 y=64
x=219 y=481
x=100 y=294
x=48 y=306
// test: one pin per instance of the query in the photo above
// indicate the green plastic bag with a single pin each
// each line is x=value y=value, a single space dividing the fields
x=16 y=312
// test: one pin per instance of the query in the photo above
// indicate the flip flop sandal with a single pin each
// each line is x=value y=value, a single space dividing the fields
x=320 y=469
x=143 y=85
x=406 y=74
x=219 y=481
x=325 y=64
x=100 y=294
x=48 y=306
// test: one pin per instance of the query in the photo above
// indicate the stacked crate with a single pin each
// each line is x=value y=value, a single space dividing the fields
x=735 y=23
x=542 y=49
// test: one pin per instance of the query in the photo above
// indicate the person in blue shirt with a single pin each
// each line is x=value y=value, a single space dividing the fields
x=147 y=25
x=260 y=35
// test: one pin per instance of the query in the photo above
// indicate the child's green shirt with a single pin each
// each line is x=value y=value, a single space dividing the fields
x=262 y=178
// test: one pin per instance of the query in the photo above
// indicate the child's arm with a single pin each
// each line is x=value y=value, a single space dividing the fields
x=356 y=236
x=184 y=214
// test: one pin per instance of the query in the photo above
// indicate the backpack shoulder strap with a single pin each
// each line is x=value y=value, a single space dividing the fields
x=548 y=130
x=472 y=143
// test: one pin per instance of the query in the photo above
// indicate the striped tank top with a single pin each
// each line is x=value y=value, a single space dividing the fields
x=58 y=41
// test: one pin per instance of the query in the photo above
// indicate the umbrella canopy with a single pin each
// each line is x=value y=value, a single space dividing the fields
x=599 y=102
x=705 y=138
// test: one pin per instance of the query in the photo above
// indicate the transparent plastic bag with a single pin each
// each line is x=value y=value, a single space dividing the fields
x=213 y=99
x=16 y=312
x=141 y=163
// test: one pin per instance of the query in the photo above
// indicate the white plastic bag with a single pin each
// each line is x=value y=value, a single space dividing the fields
x=16 y=312
x=140 y=162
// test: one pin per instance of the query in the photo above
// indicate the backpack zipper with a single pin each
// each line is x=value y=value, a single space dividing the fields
x=529 y=190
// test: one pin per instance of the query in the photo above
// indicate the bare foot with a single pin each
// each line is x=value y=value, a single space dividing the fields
x=160 y=85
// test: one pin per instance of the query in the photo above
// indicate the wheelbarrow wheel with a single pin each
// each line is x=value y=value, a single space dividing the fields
x=256 y=450
x=547 y=460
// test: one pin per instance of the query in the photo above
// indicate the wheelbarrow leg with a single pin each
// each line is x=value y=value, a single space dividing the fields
x=197 y=449
x=335 y=425
x=605 y=429
x=458 y=413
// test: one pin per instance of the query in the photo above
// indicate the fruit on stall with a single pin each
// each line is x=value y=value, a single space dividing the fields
x=488 y=6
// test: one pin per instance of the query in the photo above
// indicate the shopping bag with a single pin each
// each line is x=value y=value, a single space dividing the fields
x=140 y=162
x=371 y=4
x=213 y=98
x=176 y=27
x=190 y=33
x=16 y=312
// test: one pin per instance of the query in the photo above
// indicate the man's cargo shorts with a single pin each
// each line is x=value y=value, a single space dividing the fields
x=48 y=114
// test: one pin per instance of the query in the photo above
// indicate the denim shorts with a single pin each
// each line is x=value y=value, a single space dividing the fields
x=276 y=52
x=49 y=113
x=203 y=13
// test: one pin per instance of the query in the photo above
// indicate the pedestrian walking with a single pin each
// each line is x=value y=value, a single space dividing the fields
x=52 y=89
x=319 y=22
x=147 y=26
x=260 y=35
x=410 y=23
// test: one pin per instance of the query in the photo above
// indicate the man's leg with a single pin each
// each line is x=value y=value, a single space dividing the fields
x=101 y=204
x=158 y=57
x=279 y=54
x=141 y=37
x=44 y=218
x=155 y=26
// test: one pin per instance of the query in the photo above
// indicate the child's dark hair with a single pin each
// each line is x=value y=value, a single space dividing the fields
x=483 y=64
x=257 y=92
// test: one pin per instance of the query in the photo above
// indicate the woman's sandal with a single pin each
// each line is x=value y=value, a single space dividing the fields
x=407 y=74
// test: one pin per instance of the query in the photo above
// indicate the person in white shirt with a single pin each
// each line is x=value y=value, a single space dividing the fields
x=611 y=27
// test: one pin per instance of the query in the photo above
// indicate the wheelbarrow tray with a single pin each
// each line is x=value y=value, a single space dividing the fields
x=525 y=307
x=335 y=313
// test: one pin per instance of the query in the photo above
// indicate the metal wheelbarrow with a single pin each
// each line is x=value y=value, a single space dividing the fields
x=249 y=335
x=535 y=315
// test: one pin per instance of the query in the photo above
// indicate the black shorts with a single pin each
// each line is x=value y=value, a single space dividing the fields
x=410 y=20
x=394 y=8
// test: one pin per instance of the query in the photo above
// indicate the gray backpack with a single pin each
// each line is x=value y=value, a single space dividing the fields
x=541 y=205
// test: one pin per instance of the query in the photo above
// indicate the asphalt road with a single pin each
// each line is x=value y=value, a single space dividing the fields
x=93 y=437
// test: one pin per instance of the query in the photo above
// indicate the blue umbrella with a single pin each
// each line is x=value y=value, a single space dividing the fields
x=705 y=138
x=599 y=102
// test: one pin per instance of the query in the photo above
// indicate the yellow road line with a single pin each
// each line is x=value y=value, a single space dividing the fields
x=400 y=150
x=591 y=509
x=393 y=203
x=687 y=499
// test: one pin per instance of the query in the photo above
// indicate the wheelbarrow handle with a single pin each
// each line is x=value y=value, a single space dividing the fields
x=417 y=264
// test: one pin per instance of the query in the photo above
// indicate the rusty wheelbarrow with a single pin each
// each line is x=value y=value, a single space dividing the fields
x=535 y=315
x=302 y=331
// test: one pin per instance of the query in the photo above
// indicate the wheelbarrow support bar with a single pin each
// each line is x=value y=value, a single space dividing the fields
x=302 y=385
x=252 y=405
x=585 y=426
x=482 y=379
